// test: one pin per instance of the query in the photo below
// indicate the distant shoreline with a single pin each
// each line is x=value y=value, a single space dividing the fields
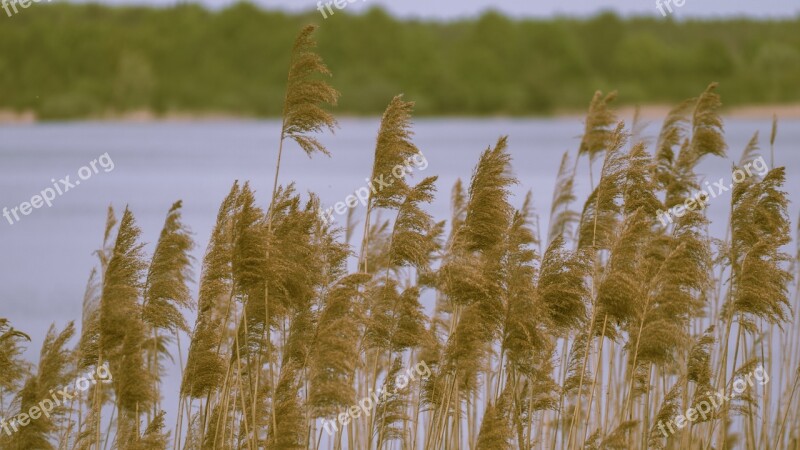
x=648 y=112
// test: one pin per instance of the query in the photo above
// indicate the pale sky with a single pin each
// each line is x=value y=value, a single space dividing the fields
x=537 y=8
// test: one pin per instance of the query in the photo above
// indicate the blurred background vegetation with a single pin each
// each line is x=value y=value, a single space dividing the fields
x=68 y=61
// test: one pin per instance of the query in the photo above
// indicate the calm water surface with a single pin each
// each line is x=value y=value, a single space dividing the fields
x=46 y=258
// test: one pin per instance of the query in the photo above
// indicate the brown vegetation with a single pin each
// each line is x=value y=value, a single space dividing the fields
x=586 y=340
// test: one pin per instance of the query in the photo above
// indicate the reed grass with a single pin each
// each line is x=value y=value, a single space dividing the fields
x=588 y=340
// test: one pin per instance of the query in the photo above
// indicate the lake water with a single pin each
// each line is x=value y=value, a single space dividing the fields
x=46 y=257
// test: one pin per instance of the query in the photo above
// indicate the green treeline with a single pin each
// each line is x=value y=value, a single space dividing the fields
x=72 y=61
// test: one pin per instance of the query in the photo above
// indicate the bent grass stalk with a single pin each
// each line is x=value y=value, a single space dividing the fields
x=242 y=403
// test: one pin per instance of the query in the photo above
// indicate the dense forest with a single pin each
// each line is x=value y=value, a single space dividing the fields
x=75 y=61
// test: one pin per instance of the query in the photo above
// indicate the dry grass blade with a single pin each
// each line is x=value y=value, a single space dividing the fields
x=599 y=126
x=601 y=210
x=488 y=210
x=562 y=218
x=707 y=132
x=496 y=432
x=305 y=93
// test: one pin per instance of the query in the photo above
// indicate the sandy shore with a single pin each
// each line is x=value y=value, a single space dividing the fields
x=15 y=117
x=648 y=112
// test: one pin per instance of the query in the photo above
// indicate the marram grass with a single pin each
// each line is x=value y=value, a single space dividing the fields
x=602 y=336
